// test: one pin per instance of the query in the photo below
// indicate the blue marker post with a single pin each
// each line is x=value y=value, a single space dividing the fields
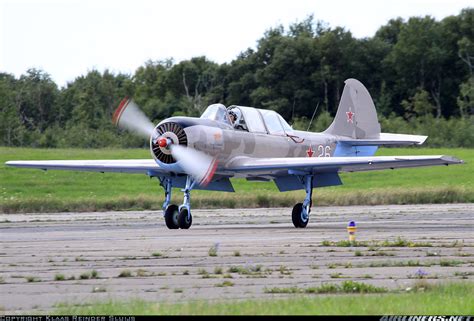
x=351 y=229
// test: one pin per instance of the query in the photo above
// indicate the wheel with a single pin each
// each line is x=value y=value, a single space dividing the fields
x=171 y=217
x=297 y=217
x=184 y=220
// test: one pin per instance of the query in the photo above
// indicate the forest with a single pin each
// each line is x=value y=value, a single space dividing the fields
x=419 y=72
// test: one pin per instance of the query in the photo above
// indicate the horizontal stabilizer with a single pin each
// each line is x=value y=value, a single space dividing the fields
x=387 y=139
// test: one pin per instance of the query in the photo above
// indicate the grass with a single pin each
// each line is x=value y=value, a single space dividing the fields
x=381 y=253
x=59 y=277
x=142 y=273
x=125 y=274
x=30 y=190
x=224 y=284
x=445 y=262
x=434 y=300
x=252 y=270
x=284 y=270
x=213 y=250
x=31 y=279
x=373 y=245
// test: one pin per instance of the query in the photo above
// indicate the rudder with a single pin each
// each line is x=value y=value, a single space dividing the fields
x=356 y=116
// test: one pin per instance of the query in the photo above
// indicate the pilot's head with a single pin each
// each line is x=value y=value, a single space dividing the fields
x=232 y=116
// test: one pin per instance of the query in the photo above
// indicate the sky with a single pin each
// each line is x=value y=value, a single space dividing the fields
x=68 y=38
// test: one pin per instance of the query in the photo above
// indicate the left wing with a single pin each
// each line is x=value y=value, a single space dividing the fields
x=138 y=166
x=284 y=166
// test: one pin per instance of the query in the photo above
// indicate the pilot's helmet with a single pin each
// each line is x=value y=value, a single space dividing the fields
x=236 y=113
x=233 y=116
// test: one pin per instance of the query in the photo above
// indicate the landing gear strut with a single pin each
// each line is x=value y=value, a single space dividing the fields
x=300 y=213
x=170 y=211
x=185 y=219
x=177 y=217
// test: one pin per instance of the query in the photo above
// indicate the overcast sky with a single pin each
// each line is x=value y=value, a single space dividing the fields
x=66 y=38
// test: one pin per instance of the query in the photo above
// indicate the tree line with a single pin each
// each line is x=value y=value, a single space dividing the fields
x=419 y=73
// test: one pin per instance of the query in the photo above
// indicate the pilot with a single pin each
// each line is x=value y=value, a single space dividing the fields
x=236 y=120
x=232 y=117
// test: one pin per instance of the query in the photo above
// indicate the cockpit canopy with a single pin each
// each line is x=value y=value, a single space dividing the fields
x=248 y=119
x=217 y=112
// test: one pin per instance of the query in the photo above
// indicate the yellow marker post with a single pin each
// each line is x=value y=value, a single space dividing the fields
x=351 y=229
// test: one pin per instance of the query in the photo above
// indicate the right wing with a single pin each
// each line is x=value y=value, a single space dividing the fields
x=138 y=166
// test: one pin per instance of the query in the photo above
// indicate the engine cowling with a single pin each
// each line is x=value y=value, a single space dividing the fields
x=163 y=136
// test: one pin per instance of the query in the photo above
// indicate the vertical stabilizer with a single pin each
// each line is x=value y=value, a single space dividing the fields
x=356 y=116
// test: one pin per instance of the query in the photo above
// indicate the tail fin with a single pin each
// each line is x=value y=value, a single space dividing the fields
x=356 y=116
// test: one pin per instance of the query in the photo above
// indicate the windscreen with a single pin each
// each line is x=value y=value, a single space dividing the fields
x=216 y=112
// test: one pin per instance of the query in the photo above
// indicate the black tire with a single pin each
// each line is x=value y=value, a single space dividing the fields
x=184 y=220
x=171 y=217
x=296 y=216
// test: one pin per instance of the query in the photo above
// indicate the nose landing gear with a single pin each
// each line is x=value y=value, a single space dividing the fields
x=177 y=217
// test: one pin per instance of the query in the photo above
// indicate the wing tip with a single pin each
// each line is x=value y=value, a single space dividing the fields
x=421 y=139
x=451 y=160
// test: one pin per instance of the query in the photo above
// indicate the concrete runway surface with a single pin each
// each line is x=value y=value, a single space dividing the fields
x=255 y=250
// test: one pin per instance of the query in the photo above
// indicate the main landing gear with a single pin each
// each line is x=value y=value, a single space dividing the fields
x=177 y=217
x=180 y=217
x=300 y=213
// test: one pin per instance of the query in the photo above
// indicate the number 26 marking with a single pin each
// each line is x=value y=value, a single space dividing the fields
x=324 y=151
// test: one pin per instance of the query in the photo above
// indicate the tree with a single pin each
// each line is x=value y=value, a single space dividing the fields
x=35 y=100
x=418 y=105
x=466 y=98
x=9 y=118
x=418 y=58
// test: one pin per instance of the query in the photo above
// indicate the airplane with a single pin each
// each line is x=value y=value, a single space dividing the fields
x=256 y=144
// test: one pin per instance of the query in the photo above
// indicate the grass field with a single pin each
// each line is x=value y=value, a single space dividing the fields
x=448 y=299
x=29 y=190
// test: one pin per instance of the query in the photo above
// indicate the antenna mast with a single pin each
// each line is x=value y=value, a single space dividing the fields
x=311 y=121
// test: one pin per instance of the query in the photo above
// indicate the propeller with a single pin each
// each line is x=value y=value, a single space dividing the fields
x=195 y=163
x=199 y=165
x=129 y=116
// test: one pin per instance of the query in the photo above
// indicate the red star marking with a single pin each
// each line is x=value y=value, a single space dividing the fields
x=310 y=151
x=350 y=114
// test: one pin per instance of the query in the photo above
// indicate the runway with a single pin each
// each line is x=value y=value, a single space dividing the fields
x=227 y=254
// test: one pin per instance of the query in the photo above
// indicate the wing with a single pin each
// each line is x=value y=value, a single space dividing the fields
x=138 y=166
x=134 y=166
x=288 y=165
